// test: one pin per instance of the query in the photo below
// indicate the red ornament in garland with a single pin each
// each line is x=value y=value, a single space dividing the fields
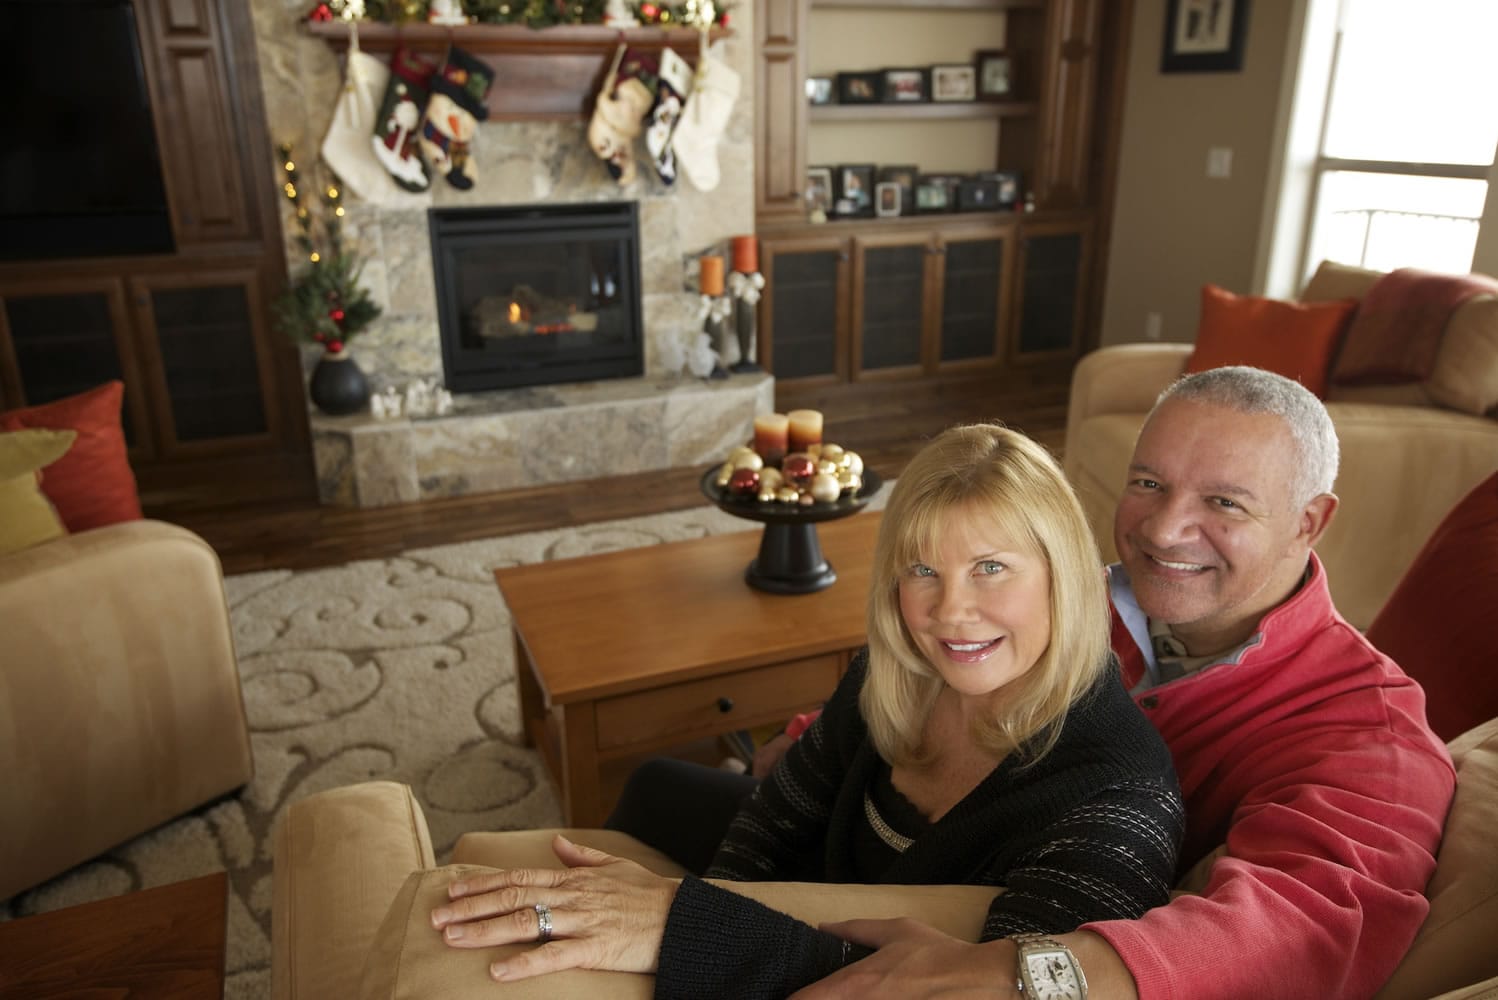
x=336 y=316
x=334 y=346
x=322 y=12
x=649 y=11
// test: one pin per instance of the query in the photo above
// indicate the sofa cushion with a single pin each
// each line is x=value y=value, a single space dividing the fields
x=1455 y=944
x=1437 y=625
x=409 y=959
x=26 y=516
x=1294 y=339
x=92 y=485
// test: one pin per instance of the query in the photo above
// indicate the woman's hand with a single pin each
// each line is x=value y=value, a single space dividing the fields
x=605 y=913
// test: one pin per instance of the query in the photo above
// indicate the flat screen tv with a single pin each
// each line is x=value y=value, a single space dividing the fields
x=80 y=172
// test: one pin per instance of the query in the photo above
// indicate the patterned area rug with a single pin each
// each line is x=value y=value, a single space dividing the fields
x=398 y=669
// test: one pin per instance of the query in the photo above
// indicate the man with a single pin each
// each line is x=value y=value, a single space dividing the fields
x=1303 y=752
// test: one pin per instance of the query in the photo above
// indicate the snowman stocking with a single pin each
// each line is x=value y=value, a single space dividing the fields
x=453 y=114
x=618 y=113
x=675 y=83
x=703 y=119
x=395 y=127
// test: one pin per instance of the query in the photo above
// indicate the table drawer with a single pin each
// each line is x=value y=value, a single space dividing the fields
x=716 y=704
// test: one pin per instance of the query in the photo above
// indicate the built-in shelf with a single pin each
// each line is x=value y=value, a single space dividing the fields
x=954 y=111
x=934 y=4
x=541 y=74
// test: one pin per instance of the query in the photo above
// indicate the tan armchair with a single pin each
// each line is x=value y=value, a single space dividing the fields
x=120 y=704
x=1409 y=453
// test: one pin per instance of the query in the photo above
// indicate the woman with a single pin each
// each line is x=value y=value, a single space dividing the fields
x=982 y=737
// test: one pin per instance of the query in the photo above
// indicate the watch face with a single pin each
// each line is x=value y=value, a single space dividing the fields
x=1052 y=976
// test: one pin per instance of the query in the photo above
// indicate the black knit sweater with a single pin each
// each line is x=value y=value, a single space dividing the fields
x=1091 y=832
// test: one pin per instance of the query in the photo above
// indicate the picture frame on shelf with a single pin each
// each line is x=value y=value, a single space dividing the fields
x=819 y=90
x=1203 y=37
x=1008 y=186
x=905 y=177
x=887 y=199
x=995 y=76
x=933 y=194
x=904 y=86
x=853 y=191
x=860 y=88
x=954 y=82
x=819 y=191
x=979 y=193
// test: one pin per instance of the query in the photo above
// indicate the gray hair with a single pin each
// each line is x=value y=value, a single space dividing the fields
x=1254 y=390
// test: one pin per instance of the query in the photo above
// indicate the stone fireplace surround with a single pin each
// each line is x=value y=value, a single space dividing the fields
x=519 y=437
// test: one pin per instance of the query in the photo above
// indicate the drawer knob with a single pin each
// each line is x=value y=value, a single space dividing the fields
x=725 y=704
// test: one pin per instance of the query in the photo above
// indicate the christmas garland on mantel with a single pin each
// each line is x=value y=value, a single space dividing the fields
x=531 y=13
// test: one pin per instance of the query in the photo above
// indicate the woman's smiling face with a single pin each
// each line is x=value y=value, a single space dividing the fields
x=978 y=606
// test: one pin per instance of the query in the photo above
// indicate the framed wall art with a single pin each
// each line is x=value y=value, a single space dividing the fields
x=1204 y=36
x=994 y=77
x=902 y=86
x=954 y=83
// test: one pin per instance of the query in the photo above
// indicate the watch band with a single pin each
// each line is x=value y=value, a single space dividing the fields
x=1025 y=943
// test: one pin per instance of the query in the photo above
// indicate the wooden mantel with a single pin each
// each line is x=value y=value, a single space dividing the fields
x=540 y=74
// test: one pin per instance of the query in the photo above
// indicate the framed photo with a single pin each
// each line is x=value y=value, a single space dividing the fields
x=954 y=83
x=853 y=190
x=887 y=199
x=1008 y=182
x=935 y=193
x=904 y=178
x=1204 y=36
x=904 y=86
x=859 y=88
x=819 y=190
x=994 y=82
x=819 y=89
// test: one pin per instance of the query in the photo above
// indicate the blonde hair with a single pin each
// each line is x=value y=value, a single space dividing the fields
x=990 y=470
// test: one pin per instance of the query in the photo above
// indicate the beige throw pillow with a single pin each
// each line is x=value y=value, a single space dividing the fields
x=27 y=517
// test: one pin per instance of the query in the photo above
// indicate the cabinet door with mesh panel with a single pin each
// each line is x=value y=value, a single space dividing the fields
x=975 y=300
x=205 y=350
x=803 y=332
x=891 y=298
x=1052 y=266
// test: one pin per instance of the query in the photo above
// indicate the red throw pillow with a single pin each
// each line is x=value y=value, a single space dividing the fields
x=1438 y=623
x=1293 y=339
x=92 y=485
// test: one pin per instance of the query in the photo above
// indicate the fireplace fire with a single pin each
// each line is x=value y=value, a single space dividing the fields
x=536 y=295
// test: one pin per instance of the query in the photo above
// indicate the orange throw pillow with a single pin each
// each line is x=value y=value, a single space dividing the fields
x=1293 y=339
x=92 y=485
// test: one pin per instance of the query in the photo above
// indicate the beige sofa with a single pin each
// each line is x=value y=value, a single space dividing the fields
x=120 y=704
x=355 y=882
x=1409 y=452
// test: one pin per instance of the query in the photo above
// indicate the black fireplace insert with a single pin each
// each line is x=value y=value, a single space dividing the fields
x=538 y=294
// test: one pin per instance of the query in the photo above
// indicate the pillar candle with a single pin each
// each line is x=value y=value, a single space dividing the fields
x=711 y=278
x=805 y=428
x=771 y=435
x=745 y=254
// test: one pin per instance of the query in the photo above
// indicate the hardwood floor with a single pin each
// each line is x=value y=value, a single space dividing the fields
x=886 y=422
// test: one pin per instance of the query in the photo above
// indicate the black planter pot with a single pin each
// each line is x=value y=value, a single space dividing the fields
x=338 y=386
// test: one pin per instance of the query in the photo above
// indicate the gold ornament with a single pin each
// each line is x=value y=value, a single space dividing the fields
x=825 y=487
x=787 y=494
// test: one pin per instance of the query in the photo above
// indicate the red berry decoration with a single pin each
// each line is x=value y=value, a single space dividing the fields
x=744 y=481
x=649 y=11
x=319 y=336
x=322 y=12
x=336 y=315
x=798 y=468
x=334 y=346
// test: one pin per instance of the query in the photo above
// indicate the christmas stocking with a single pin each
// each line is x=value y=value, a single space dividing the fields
x=674 y=84
x=618 y=113
x=400 y=113
x=703 y=119
x=346 y=147
x=453 y=114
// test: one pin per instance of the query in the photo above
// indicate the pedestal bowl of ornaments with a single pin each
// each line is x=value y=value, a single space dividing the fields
x=791 y=497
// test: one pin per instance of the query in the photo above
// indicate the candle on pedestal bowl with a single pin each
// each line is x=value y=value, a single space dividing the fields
x=805 y=429
x=771 y=436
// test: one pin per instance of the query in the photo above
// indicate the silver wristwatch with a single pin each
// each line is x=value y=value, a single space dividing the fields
x=1048 y=970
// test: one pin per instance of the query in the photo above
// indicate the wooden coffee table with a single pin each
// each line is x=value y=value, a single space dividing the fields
x=627 y=653
x=165 y=943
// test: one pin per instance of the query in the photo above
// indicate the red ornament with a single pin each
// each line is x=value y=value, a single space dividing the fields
x=723 y=20
x=334 y=346
x=319 y=336
x=649 y=11
x=336 y=315
x=322 y=12
x=744 y=481
x=798 y=468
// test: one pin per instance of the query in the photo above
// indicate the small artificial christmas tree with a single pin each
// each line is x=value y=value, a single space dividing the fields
x=324 y=302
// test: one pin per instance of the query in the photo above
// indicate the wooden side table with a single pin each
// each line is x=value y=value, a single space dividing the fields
x=630 y=652
x=165 y=943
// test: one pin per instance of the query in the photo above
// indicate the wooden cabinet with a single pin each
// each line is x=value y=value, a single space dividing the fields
x=908 y=299
x=859 y=299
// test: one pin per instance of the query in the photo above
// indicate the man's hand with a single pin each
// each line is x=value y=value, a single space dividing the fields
x=915 y=961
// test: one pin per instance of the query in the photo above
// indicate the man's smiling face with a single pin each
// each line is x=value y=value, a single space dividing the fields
x=1208 y=527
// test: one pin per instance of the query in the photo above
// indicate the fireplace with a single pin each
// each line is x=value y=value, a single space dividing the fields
x=537 y=294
